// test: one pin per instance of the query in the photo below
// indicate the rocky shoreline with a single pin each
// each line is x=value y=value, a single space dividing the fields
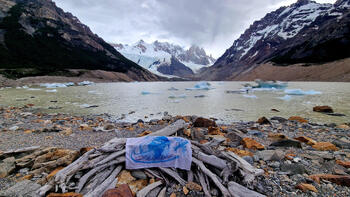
x=299 y=158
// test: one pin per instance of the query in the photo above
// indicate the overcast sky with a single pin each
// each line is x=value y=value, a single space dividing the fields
x=212 y=24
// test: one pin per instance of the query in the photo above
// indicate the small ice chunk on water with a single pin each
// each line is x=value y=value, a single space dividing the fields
x=54 y=90
x=34 y=89
x=88 y=106
x=173 y=89
x=201 y=86
x=94 y=92
x=177 y=96
x=145 y=93
x=250 y=96
x=301 y=92
x=285 y=97
x=85 y=83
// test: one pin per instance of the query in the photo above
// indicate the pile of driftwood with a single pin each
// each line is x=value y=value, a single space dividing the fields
x=211 y=167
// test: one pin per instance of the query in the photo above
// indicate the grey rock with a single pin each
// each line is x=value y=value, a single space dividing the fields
x=24 y=188
x=139 y=174
x=342 y=143
x=7 y=167
x=256 y=133
x=293 y=169
x=235 y=139
x=287 y=143
x=275 y=164
x=270 y=155
x=249 y=159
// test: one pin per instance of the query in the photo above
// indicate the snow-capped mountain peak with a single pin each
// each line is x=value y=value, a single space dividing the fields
x=158 y=54
x=304 y=32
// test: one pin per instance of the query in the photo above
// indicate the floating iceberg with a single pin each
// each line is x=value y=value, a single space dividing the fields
x=201 y=86
x=270 y=84
x=301 y=92
x=54 y=90
x=285 y=97
x=53 y=85
x=85 y=83
x=250 y=96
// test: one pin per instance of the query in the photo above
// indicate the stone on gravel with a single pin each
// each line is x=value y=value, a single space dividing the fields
x=345 y=164
x=139 y=174
x=287 y=143
x=298 y=119
x=122 y=191
x=325 y=146
x=306 y=187
x=7 y=167
x=342 y=143
x=306 y=140
x=323 y=109
x=234 y=139
x=338 y=179
x=252 y=144
x=270 y=155
x=203 y=122
x=263 y=120
x=23 y=188
x=69 y=194
x=293 y=169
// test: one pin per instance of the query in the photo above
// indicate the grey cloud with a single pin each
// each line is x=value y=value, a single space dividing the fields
x=213 y=24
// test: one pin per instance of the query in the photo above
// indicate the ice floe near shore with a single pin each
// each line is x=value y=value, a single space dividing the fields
x=301 y=92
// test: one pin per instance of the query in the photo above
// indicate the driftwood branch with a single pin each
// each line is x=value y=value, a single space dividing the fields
x=212 y=176
x=148 y=188
x=171 y=129
x=238 y=190
x=98 y=191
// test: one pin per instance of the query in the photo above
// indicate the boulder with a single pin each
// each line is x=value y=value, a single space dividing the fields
x=323 y=109
x=203 y=122
x=122 y=191
x=7 y=167
x=287 y=143
x=23 y=188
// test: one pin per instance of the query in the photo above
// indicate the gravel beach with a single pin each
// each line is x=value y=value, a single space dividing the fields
x=299 y=158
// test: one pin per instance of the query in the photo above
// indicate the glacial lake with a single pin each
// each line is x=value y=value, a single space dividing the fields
x=133 y=101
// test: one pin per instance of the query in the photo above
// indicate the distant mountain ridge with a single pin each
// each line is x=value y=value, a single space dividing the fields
x=36 y=34
x=165 y=58
x=304 y=32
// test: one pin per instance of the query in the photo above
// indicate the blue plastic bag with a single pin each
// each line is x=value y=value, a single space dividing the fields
x=158 y=151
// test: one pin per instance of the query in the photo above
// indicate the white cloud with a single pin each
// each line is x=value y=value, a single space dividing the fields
x=213 y=24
